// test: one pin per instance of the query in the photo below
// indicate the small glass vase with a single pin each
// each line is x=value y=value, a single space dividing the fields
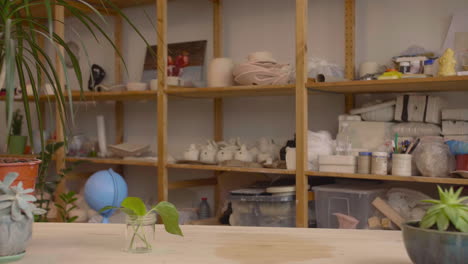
x=139 y=234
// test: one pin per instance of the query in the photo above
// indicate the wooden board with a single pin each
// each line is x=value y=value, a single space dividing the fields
x=162 y=176
x=102 y=244
x=435 y=84
x=302 y=209
x=232 y=91
x=102 y=96
x=456 y=181
x=114 y=161
x=193 y=183
x=223 y=168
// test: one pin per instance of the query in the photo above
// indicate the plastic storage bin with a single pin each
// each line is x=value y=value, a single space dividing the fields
x=272 y=211
x=352 y=200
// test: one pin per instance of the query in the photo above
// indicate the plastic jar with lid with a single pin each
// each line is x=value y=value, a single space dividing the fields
x=379 y=163
x=364 y=162
x=404 y=67
x=429 y=67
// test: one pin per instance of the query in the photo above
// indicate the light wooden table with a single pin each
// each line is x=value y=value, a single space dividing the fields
x=102 y=243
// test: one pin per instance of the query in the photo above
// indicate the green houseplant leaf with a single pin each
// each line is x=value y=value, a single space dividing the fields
x=170 y=217
x=134 y=204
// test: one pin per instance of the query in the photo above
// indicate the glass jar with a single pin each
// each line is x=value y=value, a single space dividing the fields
x=139 y=234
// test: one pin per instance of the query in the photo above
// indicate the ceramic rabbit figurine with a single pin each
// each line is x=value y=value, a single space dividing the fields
x=268 y=148
x=192 y=153
x=244 y=154
x=226 y=153
x=264 y=157
x=208 y=153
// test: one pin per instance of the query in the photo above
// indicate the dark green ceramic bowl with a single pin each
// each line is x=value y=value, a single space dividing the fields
x=427 y=246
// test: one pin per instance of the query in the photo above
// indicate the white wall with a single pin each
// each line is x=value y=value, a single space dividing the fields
x=384 y=29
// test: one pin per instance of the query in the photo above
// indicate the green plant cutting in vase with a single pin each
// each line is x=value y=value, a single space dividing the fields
x=450 y=213
x=139 y=217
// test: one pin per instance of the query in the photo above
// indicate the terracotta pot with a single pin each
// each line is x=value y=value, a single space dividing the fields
x=428 y=246
x=26 y=168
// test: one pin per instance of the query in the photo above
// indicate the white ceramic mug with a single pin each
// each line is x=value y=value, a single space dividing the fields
x=154 y=85
x=219 y=72
x=368 y=67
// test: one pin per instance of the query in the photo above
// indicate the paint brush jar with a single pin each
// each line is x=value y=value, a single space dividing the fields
x=401 y=164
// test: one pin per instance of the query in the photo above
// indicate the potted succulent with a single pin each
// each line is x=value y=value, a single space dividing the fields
x=16 y=218
x=16 y=142
x=141 y=222
x=441 y=237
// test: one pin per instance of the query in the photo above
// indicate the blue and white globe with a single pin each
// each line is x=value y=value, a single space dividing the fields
x=105 y=188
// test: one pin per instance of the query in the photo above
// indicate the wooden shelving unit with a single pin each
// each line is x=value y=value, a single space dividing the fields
x=114 y=161
x=100 y=96
x=224 y=168
x=455 y=181
x=300 y=90
x=430 y=84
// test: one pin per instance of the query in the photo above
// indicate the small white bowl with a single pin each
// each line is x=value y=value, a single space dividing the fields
x=137 y=86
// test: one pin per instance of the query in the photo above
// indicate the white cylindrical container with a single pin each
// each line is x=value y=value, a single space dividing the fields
x=220 y=72
x=154 y=85
x=364 y=162
x=401 y=164
x=101 y=131
x=379 y=163
x=291 y=158
x=368 y=67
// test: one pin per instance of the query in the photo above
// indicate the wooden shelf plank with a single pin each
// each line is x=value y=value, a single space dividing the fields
x=100 y=96
x=235 y=169
x=435 y=84
x=193 y=183
x=113 y=161
x=456 y=181
x=232 y=91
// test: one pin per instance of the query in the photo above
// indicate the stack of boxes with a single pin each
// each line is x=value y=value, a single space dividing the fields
x=455 y=124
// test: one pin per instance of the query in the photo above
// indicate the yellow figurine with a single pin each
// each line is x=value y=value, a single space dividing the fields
x=447 y=63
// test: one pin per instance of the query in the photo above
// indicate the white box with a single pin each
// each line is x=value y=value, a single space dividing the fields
x=454 y=128
x=369 y=136
x=341 y=164
x=419 y=108
x=459 y=114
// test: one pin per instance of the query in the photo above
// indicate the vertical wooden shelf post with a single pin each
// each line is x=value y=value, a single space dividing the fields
x=59 y=29
x=119 y=106
x=161 y=10
x=217 y=102
x=350 y=22
x=301 y=114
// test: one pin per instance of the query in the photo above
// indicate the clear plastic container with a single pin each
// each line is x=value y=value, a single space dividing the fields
x=352 y=200
x=343 y=141
x=272 y=211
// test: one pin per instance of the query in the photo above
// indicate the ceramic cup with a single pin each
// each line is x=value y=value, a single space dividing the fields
x=368 y=67
x=220 y=72
x=173 y=80
x=154 y=85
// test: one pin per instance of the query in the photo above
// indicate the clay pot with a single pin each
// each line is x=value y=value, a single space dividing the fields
x=26 y=168
x=14 y=235
x=428 y=246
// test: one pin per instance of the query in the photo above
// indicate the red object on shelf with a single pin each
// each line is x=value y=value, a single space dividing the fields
x=462 y=162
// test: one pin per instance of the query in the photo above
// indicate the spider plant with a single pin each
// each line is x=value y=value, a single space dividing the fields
x=23 y=60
